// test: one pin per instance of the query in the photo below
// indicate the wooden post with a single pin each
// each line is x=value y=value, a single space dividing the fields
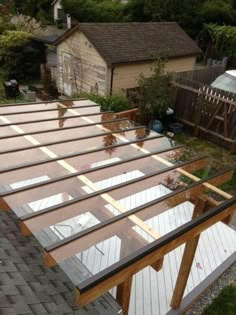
x=198 y=114
x=187 y=260
x=123 y=294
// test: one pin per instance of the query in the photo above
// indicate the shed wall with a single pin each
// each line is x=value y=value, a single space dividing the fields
x=88 y=69
x=126 y=76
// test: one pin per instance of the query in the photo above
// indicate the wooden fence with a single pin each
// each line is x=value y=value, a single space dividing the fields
x=208 y=112
x=205 y=76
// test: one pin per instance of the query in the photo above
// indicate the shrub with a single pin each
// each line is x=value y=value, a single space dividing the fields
x=114 y=103
x=20 y=57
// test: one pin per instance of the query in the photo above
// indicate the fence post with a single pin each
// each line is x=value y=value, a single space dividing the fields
x=198 y=113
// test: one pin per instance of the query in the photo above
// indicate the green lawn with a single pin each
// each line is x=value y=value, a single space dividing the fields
x=219 y=158
x=224 y=304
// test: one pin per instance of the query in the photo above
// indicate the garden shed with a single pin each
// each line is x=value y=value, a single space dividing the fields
x=107 y=58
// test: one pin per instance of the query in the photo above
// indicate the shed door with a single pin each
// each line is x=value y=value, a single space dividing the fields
x=67 y=74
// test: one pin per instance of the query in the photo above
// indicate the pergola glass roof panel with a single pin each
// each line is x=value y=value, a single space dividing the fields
x=96 y=199
x=83 y=162
x=108 y=176
x=47 y=106
x=20 y=142
x=52 y=124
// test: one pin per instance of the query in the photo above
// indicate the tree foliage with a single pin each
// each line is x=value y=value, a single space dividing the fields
x=19 y=56
x=39 y=9
x=224 y=38
x=154 y=92
x=190 y=14
x=94 y=10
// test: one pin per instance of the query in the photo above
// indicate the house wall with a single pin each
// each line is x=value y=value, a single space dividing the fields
x=56 y=6
x=89 y=70
x=126 y=76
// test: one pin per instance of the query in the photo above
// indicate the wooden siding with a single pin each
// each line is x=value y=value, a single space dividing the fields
x=89 y=70
x=126 y=76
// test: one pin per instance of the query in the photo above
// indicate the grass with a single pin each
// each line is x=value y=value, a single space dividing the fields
x=224 y=304
x=219 y=158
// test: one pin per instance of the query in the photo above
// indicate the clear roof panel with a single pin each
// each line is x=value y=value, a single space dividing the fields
x=61 y=113
x=78 y=163
x=44 y=106
x=47 y=125
x=128 y=196
x=99 y=195
x=74 y=187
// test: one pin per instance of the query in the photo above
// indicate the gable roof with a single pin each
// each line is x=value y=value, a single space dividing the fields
x=134 y=42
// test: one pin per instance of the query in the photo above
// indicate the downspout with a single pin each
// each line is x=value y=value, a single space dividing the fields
x=111 y=85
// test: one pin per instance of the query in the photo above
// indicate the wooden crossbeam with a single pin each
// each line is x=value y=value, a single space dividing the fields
x=187 y=260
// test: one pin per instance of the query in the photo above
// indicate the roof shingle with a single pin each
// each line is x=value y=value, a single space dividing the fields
x=134 y=42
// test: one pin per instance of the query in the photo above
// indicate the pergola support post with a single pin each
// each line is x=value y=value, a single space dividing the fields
x=123 y=294
x=187 y=260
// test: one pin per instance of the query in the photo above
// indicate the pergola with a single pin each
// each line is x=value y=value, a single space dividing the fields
x=76 y=177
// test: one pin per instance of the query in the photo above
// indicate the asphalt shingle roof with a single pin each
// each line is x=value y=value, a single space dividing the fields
x=28 y=287
x=133 y=42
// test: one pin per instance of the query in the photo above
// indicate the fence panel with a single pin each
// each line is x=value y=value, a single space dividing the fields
x=209 y=112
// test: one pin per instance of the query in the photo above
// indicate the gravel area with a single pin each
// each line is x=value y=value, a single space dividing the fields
x=227 y=278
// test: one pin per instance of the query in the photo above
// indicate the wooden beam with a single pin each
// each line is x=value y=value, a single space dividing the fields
x=157 y=266
x=4 y=206
x=123 y=294
x=126 y=272
x=24 y=229
x=187 y=261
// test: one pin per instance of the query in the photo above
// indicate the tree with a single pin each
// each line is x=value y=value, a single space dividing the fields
x=224 y=38
x=94 y=10
x=19 y=56
x=190 y=14
x=39 y=9
x=154 y=96
x=218 y=11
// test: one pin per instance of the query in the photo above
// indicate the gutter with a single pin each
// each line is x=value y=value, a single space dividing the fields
x=111 y=85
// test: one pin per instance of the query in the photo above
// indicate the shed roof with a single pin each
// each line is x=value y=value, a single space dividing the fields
x=135 y=42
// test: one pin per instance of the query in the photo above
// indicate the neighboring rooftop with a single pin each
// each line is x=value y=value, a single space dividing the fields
x=132 y=42
x=49 y=35
x=28 y=287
